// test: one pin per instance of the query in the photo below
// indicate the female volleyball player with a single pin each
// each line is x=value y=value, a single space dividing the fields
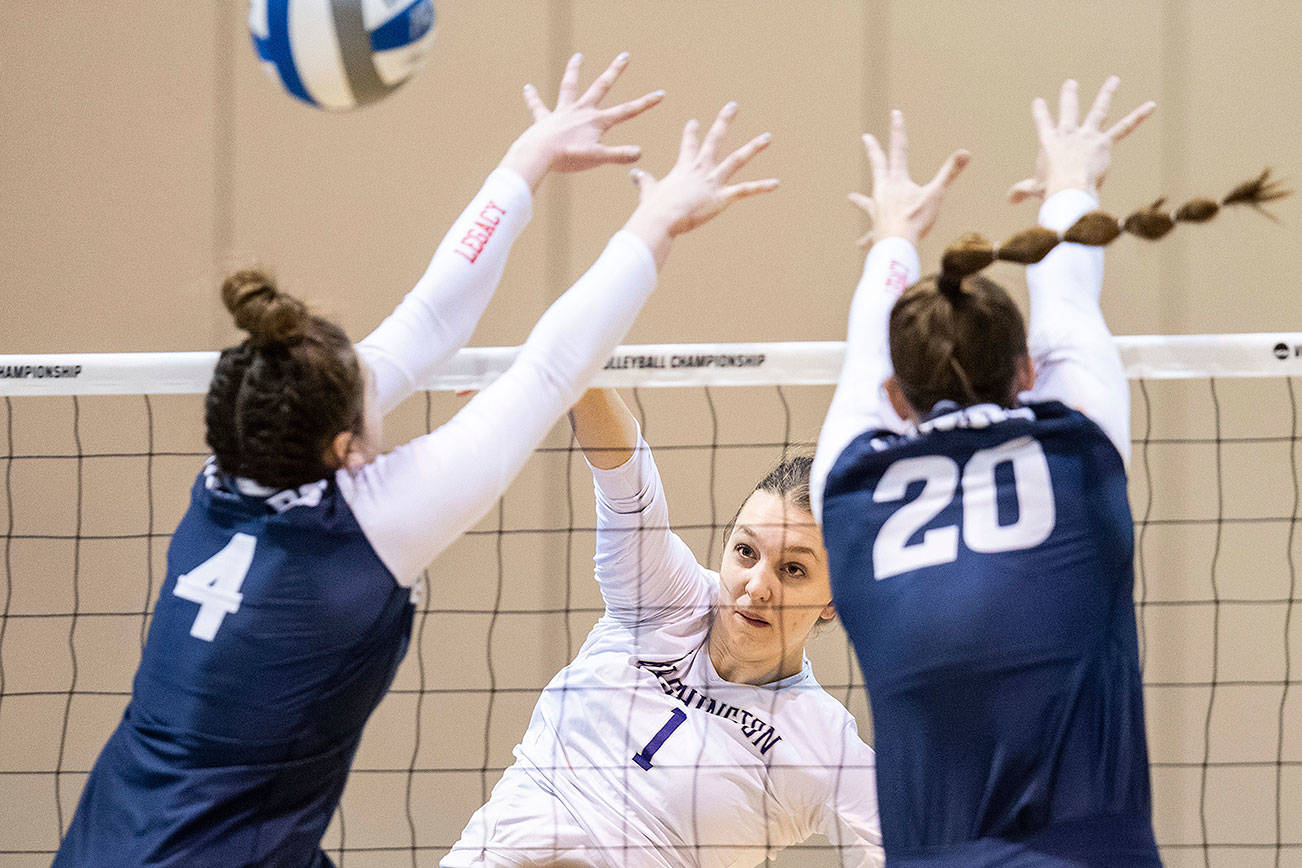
x=981 y=544
x=286 y=607
x=690 y=729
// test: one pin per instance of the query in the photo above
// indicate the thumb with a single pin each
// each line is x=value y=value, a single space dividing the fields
x=1028 y=188
x=642 y=180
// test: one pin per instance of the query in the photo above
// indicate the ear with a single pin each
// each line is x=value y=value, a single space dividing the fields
x=339 y=451
x=896 y=396
x=1024 y=380
x=828 y=615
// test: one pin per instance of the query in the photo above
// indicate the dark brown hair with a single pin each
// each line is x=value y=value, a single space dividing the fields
x=789 y=480
x=278 y=399
x=958 y=336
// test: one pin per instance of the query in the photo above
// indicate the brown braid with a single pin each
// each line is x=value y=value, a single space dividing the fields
x=278 y=399
x=958 y=336
x=971 y=253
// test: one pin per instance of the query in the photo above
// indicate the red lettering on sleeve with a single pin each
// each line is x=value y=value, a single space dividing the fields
x=477 y=237
x=897 y=278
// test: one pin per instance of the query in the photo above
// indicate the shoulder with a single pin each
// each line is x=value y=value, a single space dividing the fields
x=860 y=453
x=1074 y=431
x=826 y=722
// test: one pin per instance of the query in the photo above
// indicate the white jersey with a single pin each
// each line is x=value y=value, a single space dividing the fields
x=639 y=754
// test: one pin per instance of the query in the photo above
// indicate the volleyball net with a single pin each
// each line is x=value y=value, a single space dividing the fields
x=100 y=450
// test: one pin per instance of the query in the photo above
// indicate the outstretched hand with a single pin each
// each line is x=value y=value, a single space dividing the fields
x=568 y=137
x=898 y=206
x=697 y=188
x=1072 y=154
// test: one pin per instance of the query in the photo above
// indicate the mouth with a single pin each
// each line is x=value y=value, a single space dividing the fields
x=751 y=618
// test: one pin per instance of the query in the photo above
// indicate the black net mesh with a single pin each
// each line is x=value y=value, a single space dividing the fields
x=92 y=487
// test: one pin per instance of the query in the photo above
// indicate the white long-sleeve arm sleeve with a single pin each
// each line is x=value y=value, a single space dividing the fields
x=850 y=819
x=440 y=313
x=416 y=500
x=647 y=574
x=1076 y=360
x=860 y=403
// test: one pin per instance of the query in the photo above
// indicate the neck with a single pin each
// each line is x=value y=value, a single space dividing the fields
x=733 y=668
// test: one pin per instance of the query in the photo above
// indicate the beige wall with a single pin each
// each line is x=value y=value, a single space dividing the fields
x=143 y=152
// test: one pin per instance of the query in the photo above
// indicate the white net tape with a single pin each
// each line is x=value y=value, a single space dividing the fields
x=808 y=363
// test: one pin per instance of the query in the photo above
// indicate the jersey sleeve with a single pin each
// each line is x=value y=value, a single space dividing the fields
x=849 y=818
x=440 y=313
x=413 y=502
x=647 y=574
x=860 y=403
x=1076 y=360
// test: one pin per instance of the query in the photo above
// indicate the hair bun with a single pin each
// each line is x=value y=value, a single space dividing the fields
x=968 y=255
x=268 y=315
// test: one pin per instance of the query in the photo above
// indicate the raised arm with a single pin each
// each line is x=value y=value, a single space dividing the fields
x=647 y=574
x=1076 y=360
x=414 y=501
x=902 y=213
x=438 y=316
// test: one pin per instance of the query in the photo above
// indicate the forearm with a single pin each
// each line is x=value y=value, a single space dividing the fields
x=416 y=500
x=645 y=571
x=440 y=313
x=604 y=428
x=860 y=403
x=1075 y=356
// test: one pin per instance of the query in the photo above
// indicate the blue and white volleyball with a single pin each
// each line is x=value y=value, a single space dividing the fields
x=339 y=54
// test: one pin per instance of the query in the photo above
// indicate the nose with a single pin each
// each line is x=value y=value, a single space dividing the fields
x=760 y=583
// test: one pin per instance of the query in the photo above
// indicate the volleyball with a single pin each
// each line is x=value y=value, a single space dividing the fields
x=340 y=54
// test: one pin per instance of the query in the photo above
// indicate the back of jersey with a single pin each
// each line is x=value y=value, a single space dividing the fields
x=982 y=566
x=274 y=637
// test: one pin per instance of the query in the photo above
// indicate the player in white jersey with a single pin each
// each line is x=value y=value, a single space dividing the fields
x=689 y=730
x=286 y=609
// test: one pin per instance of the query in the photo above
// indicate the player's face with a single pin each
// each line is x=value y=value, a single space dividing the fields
x=775 y=589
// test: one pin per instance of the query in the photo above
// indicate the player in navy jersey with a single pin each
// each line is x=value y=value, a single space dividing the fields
x=286 y=608
x=971 y=485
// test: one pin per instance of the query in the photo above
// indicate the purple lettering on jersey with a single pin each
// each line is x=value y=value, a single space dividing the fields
x=643 y=757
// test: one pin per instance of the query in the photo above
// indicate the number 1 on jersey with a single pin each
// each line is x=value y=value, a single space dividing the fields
x=643 y=757
x=215 y=585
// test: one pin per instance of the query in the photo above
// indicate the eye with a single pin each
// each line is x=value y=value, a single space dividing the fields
x=795 y=570
x=744 y=551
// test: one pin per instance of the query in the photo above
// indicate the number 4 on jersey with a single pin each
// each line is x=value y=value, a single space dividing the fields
x=215 y=585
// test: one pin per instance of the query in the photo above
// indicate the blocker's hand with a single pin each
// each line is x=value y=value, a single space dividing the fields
x=697 y=188
x=1075 y=155
x=568 y=137
x=898 y=206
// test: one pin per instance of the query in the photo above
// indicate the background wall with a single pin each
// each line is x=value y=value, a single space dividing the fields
x=143 y=153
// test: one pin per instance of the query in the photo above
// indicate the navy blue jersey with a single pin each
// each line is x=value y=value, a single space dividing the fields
x=983 y=568
x=275 y=635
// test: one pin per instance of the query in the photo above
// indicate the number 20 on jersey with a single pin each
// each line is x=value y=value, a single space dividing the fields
x=940 y=475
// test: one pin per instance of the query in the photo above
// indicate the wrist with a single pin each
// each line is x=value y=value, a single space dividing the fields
x=654 y=230
x=1056 y=183
x=528 y=160
x=897 y=230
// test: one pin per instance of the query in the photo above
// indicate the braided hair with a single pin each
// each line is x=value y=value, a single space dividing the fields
x=278 y=399
x=958 y=336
